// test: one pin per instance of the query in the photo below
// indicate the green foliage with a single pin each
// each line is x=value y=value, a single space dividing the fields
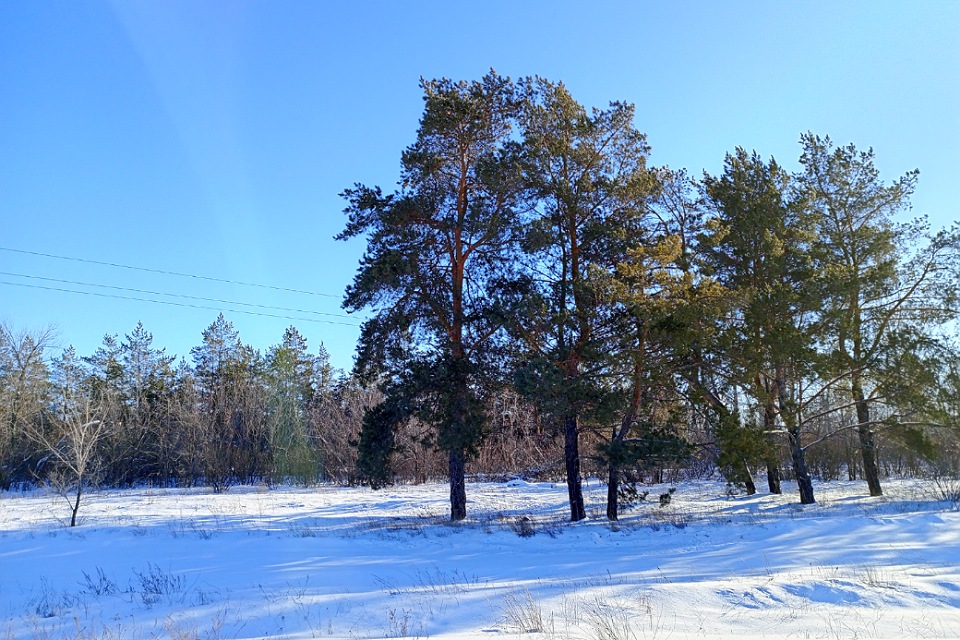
x=291 y=373
x=647 y=446
x=147 y=375
x=741 y=446
x=556 y=393
x=757 y=246
x=529 y=245
x=234 y=443
x=377 y=439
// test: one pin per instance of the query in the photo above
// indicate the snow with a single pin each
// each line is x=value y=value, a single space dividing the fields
x=348 y=562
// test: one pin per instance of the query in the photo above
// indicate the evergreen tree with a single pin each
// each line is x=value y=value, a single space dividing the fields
x=945 y=408
x=876 y=294
x=233 y=427
x=104 y=365
x=759 y=250
x=433 y=248
x=323 y=373
x=184 y=445
x=147 y=371
x=588 y=173
x=648 y=292
x=700 y=308
x=290 y=371
x=144 y=388
x=103 y=375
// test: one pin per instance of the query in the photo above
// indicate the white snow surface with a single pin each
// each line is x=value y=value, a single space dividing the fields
x=347 y=562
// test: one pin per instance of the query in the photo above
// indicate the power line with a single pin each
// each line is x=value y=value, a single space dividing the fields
x=176 y=304
x=173 y=295
x=169 y=273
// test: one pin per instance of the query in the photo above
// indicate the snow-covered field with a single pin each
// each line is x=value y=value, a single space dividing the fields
x=353 y=563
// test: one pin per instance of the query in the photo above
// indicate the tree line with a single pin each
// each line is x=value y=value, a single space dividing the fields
x=531 y=246
x=546 y=302
x=130 y=414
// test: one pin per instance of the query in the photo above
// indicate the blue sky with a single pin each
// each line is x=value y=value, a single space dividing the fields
x=212 y=138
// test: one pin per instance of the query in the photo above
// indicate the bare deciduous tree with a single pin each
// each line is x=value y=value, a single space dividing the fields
x=70 y=437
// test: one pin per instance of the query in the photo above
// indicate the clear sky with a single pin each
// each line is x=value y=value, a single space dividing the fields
x=212 y=138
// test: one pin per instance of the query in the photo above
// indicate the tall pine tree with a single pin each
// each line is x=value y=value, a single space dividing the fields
x=884 y=282
x=433 y=248
x=587 y=170
x=290 y=378
x=759 y=250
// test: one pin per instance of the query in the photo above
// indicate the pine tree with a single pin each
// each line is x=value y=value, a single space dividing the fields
x=147 y=371
x=882 y=280
x=433 y=248
x=104 y=380
x=648 y=293
x=105 y=368
x=699 y=340
x=759 y=250
x=232 y=425
x=290 y=371
x=588 y=173
x=145 y=388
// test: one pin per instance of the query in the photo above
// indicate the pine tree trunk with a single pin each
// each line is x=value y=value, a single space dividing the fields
x=616 y=440
x=773 y=469
x=868 y=444
x=791 y=421
x=571 y=449
x=460 y=432
x=748 y=483
x=804 y=483
x=868 y=448
x=773 y=477
x=458 y=487
x=613 y=493
x=871 y=470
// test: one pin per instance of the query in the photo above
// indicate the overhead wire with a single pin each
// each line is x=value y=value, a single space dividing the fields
x=176 y=304
x=173 y=295
x=168 y=273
